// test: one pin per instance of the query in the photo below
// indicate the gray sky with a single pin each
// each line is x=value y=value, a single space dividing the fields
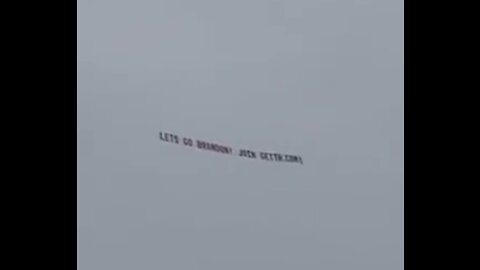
x=319 y=78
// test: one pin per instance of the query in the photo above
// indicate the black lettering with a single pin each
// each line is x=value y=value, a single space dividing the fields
x=162 y=136
x=247 y=153
x=167 y=137
x=175 y=139
x=212 y=147
x=187 y=142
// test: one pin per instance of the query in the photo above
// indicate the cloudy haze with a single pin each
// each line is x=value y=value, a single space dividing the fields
x=318 y=78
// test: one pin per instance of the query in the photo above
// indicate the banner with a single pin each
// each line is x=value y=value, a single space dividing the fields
x=228 y=150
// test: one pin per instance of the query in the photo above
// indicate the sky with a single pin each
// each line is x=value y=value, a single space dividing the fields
x=319 y=78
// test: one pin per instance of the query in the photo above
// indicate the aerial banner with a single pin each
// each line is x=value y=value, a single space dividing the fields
x=228 y=150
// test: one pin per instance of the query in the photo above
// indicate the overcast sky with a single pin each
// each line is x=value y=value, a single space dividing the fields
x=318 y=78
